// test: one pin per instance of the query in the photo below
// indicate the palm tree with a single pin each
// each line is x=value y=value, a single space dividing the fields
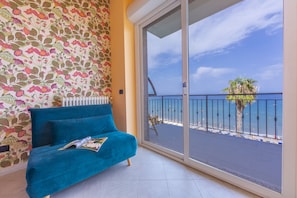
x=242 y=91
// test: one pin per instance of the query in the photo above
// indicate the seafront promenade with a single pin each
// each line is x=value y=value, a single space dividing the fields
x=254 y=160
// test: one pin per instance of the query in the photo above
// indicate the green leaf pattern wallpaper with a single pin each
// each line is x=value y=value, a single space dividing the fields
x=48 y=48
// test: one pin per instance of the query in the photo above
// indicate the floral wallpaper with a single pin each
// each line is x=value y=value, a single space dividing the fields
x=48 y=48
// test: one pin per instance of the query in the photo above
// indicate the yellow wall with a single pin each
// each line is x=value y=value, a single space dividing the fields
x=123 y=67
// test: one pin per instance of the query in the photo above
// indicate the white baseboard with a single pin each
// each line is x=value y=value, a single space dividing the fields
x=14 y=168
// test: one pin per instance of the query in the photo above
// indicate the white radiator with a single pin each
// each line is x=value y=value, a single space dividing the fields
x=79 y=101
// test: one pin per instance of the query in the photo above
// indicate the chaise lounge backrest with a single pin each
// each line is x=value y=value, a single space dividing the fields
x=41 y=130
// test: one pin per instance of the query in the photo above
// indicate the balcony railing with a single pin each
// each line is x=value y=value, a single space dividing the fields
x=213 y=112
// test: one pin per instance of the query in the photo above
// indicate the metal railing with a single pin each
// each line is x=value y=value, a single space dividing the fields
x=213 y=112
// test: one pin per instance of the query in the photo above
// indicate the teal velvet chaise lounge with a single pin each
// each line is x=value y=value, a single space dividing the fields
x=50 y=170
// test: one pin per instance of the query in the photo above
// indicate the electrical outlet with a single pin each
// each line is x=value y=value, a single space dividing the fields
x=4 y=148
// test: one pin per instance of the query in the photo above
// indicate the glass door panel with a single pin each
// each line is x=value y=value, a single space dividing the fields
x=163 y=77
x=235 y=102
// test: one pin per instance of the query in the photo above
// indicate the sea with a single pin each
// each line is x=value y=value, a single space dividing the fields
x=213 y=112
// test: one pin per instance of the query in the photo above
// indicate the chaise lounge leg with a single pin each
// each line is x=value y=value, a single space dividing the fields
x=129 y=162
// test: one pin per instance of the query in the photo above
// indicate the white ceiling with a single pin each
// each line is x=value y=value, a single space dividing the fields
x=198 y=10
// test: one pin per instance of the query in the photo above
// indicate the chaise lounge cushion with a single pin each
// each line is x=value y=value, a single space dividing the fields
x=49 y=166
x=67 y=130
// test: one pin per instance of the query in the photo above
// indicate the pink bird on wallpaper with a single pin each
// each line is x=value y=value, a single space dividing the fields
x=81 y=44
x=80 y=13
x=20 y=102
x=7 y=88
x=5 y=45
x=43 y=89
x=5 y=3
x=38 y=14
x=18 y=61
x=81 y=74
x=16 y=20
x=26 y=31
x=37 y=51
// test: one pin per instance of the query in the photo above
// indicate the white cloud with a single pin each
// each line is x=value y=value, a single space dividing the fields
x=270 y=78
x=271 y=72
x=230 y=26
x=164 y=51
x=210 y=72
x=222 y=30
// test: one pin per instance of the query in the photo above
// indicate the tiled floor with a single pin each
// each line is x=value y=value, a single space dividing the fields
x=151 y=175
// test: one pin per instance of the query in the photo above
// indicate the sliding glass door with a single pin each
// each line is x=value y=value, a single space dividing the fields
x=213 y=73
x=163 y=77
x=235 y=105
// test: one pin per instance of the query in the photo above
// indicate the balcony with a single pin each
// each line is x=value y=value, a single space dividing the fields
x=254 y=152
x=261 y=119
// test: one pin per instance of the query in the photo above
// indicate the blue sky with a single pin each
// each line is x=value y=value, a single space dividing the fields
x=244 y=40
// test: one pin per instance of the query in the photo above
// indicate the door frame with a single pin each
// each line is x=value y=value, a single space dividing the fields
x=289 y=161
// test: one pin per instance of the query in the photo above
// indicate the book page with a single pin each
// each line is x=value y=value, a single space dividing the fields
x=94 y=144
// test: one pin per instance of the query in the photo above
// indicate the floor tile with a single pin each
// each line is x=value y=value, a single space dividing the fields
x=175 y=170
x=153 y=189
x=183 y=188
x=213 y=188
x=150 y=176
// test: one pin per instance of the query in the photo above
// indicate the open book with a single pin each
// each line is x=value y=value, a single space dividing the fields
x=93 y=144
